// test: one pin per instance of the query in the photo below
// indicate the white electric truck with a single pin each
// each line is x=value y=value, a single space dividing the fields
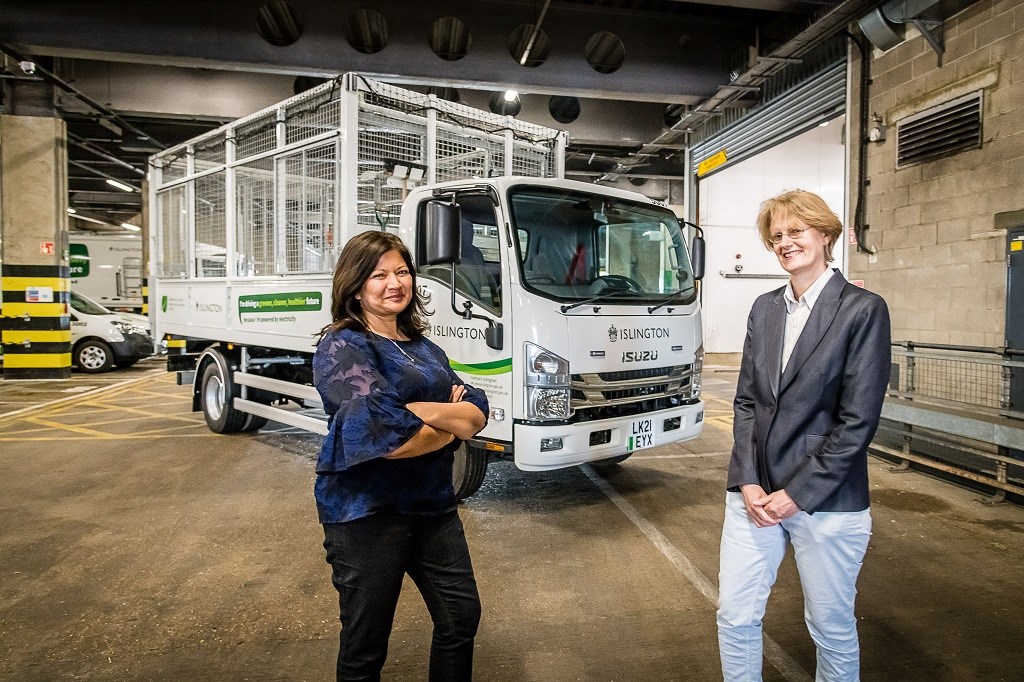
x=107 y=268
x=574 y=307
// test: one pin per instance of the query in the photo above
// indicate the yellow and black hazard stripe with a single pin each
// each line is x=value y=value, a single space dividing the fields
x=36 y=334
x=145 y=296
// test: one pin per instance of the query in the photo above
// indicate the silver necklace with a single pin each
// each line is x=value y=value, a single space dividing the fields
x=395 y=344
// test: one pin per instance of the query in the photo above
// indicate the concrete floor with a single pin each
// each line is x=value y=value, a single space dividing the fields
x=137 y=545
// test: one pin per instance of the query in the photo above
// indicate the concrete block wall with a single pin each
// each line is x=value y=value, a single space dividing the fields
x=941 y=248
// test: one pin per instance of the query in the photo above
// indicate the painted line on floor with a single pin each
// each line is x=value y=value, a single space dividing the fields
x=80 y=396
x=688 y=455
x=780 y=660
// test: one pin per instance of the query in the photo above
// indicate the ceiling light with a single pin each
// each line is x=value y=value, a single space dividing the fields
x=92 y=220
x=511 y=95
x=71 y=210
x=129 y=226
x=120 y=185
x=823 y=124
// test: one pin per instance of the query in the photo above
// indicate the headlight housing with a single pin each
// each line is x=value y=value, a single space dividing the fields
x=698 y=369
x=128 y=327
x=547 y=384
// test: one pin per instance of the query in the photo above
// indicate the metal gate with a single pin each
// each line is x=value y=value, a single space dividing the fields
x=1015 y=316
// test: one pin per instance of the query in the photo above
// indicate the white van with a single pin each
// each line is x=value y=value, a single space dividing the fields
x=101 y=339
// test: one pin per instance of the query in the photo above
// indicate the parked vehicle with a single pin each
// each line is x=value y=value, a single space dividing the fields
x=102 y=339
x=107 y=268
x=573 y=306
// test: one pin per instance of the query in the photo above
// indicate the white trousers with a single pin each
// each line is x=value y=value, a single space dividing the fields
x=829 y=548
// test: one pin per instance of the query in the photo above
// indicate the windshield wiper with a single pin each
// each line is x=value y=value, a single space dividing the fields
x=602 y=297
x=668 y=299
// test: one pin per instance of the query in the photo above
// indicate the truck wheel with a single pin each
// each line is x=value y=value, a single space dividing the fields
x=216 y=395
x=94 y=356
x=612 y=460
x=469 y=470
x=252 y=423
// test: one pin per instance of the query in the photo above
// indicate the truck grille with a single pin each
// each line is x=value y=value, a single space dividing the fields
x=606 y=389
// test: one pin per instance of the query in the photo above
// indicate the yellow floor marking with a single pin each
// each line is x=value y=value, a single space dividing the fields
x=62 y=439
x=66 y=427
x=123 y=420
x=131 y=410
x=94 y=411
x=724 y=423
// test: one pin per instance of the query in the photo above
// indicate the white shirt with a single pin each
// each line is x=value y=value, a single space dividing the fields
x=797 y=312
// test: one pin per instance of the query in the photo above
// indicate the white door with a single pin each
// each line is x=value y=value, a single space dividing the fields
x=739 y=267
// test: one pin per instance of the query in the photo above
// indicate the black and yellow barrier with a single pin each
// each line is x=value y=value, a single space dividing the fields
x=35 y=327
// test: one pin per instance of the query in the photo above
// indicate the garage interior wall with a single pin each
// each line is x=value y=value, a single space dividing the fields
x=941 y=248
x=739 y=267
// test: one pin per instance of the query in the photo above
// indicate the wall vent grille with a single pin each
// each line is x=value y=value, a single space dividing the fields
x=941 y=131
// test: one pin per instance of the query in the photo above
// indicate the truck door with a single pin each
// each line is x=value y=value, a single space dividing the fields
x=478 y=280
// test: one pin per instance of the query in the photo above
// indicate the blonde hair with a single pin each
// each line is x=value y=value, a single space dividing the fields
x=805 y=206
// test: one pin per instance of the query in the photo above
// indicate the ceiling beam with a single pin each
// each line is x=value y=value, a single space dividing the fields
x=675 y=59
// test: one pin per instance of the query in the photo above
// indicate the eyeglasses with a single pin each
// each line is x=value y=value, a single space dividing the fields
x=793 y=233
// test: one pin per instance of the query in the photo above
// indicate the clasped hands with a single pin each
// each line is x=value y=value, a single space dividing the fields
x=765 y=509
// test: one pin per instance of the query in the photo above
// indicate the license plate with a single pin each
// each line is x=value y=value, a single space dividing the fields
x=641 y=435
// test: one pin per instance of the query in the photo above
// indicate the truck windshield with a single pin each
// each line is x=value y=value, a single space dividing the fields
x=576 y=246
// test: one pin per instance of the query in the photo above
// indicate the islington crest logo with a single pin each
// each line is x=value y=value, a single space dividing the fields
x=613 y=334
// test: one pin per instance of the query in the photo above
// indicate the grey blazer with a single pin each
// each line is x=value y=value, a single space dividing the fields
x=807 y=430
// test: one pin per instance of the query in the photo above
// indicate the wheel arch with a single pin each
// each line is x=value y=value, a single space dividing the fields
x=215 y=354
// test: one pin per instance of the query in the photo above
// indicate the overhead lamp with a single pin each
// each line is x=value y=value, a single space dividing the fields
x=120 y=185
x=71 y=210
x=129 y=226
x=92 y=220
x=510 y=95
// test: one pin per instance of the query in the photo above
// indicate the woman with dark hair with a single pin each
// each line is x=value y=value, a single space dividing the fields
x=384 y=489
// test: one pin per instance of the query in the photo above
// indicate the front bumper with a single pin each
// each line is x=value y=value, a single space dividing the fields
x=576 y=438
x=133 y=348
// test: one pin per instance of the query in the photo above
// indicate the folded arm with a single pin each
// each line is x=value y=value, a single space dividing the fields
x=458 y=417
x=426 y=440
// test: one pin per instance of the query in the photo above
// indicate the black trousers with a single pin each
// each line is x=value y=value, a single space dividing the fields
x=369 y=558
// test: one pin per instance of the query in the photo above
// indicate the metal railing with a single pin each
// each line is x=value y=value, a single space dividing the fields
x=959 y=410
x=968 y=377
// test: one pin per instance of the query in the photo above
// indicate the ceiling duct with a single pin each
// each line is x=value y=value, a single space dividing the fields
x=886 y=25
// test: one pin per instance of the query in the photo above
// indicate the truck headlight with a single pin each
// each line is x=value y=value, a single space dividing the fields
x=547 y=384
x=698 y=369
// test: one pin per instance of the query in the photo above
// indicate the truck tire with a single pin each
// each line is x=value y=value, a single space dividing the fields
x=94 y=356
x=469 y=470
x=252 y=423
x=216 y=394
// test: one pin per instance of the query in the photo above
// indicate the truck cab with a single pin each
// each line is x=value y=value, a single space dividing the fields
x=595 y=300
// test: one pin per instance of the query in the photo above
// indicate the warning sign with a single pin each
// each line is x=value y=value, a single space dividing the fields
x=711 y=163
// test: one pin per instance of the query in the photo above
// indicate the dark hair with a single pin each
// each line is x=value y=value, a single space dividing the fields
x=357 y=262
